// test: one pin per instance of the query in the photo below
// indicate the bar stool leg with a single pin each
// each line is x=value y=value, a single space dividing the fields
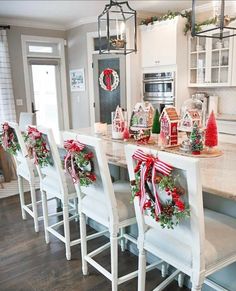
x=45 y=215
x=164 y=269
x=181 y=280
x=123 y=242
x=22 y=197
x=34 y=207
x=76 y=208
x=197 y=282
x=83 y=243
x=114 y=260
x=141 y=270
x=66 y=230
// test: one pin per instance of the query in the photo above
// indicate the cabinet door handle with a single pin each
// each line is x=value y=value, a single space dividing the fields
x=157 y=62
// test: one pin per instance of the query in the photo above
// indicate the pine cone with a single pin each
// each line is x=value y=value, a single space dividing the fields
x=168 y=210
x=158 y=179
x=133 y=183
x=180 y=190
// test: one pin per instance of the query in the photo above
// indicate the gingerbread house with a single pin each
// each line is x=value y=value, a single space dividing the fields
x=169 y=122
x=141 y=121
x=189 y=118
x=142 y=116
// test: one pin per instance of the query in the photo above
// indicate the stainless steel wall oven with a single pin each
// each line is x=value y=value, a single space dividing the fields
x=159 y=89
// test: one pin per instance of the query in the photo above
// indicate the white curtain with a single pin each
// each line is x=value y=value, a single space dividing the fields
x=7 y=104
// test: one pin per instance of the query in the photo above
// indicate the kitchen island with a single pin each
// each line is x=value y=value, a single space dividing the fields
x=218 y=174
x=218 y=178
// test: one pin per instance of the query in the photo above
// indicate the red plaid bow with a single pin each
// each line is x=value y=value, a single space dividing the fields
x=145 y=163
x=72 y=146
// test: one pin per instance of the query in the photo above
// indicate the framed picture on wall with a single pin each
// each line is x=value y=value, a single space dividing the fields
x=77 y=81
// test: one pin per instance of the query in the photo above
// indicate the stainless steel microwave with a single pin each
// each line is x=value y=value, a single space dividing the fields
x=159 y=86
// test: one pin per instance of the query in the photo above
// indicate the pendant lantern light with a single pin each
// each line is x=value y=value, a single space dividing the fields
x=117 y=29
x=218 y=19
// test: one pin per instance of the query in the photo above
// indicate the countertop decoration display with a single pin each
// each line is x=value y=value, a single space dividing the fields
x=118 y=123
x=188 y=15
x=8 y=139
x=191 y=113
x=190 y=118
x=141 y=121
x=211 y=135
x=153 y=176
x=78 y=163
x=169 y=121
x=196 y=140
x=111 y=81
x=37 y=147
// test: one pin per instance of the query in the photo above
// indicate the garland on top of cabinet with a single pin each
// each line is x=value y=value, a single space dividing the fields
x=188 y=15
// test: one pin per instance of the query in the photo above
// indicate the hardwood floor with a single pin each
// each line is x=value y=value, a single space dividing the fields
x=28 y=264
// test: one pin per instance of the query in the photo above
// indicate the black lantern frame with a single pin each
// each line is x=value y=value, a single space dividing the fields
x=110 y=44
x=221 y=26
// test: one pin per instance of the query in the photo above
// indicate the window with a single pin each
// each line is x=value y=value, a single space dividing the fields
x=43 y=49
x=40 y=49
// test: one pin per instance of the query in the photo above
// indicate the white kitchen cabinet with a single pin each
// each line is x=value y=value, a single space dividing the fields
x=210 y=61
x=158 y=43
x=227 y=127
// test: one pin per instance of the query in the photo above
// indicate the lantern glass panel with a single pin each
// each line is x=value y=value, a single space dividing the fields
x=117 y=25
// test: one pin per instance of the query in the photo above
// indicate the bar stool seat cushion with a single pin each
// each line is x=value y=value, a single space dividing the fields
x=220 y=233
x=95 y=208
x=52 y=186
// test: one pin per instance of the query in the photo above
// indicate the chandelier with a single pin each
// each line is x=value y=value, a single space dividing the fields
x=117 y=29
x=214 y=22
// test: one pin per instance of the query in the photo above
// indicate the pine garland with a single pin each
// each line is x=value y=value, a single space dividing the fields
x=37 y=147
x=173 y=210
x=8 y=139
x=79 y=164
x=188 y=15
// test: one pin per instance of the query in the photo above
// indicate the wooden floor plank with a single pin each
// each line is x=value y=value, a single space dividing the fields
x=27 y=263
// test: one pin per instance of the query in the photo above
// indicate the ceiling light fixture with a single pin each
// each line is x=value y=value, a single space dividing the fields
x=117 y=29
x=217 y=20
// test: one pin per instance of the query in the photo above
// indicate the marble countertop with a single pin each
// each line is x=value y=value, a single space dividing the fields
x=218 y=174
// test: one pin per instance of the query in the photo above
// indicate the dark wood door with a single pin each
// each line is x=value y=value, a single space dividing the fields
x=105 y=100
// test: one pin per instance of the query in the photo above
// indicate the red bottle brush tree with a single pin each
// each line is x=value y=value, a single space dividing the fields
x=211 y=136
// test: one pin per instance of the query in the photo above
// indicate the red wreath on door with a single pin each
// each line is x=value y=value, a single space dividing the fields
x=109 y=79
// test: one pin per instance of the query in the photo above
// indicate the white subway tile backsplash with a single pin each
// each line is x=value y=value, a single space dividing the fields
x=227 y=98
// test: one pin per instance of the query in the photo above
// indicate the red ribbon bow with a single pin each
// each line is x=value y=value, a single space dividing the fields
x=145 y=163
x=34 y=132
x=72 y=147
x=107 y=73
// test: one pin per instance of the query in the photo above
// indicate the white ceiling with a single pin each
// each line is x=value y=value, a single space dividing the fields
x=66 y=14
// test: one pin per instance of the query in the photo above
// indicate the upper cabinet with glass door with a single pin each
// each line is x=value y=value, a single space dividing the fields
x=210 y=61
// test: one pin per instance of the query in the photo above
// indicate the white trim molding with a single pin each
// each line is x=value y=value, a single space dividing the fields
x=31 y=23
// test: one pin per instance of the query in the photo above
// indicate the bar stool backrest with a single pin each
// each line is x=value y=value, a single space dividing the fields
x=22 y=160
x=53 y=173
x=191 y=230
x=102 y=188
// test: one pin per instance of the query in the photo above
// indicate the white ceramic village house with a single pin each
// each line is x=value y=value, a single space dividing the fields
x=190 y=117
x=118 y=123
